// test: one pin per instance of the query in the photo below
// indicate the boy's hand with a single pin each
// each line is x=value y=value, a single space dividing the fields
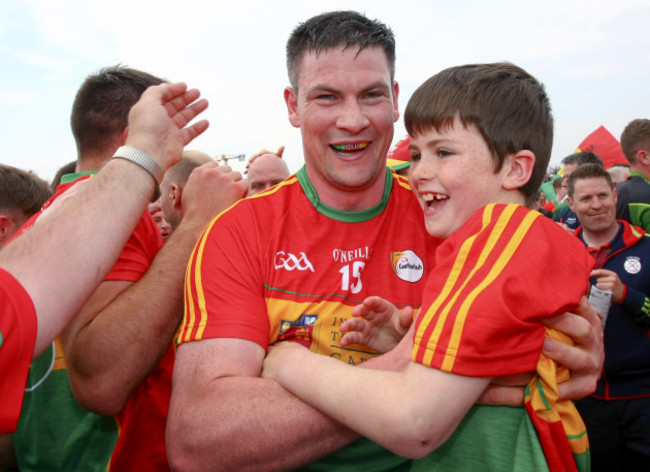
x=378 y=324
x=279 y=355
x=585 y=359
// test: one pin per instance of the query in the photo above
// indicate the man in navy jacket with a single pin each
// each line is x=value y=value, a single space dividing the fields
x=617 y=415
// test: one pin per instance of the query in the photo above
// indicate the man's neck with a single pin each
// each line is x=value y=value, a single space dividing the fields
x=640 y=170
x=349 y=200
x=598 y=239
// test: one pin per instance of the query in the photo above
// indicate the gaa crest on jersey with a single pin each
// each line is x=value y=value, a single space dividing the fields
x=632 y=265
x=407 y=265
x=290 y=262
x=299 y=330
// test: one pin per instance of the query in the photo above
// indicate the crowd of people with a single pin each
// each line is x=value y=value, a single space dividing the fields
x=377 y=309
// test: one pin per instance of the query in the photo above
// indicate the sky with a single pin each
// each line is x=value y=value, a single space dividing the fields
x=592 y=56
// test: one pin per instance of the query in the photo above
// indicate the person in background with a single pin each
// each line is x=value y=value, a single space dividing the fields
x=633 y=203
x=115 y=357
x=21 y=195
x=156 y=213
x=398 y=157
x=171 y=187
x=563 y=213
x=266 y=171
x=43 y=263
x=617 y=414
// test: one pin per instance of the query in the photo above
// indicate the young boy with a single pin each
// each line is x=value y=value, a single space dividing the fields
x=481 y=139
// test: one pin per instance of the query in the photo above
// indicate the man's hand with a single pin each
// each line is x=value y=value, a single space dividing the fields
x=609 y=280
x=210 y=189
x=157 y=122
x=585 y=359
x=378 y=324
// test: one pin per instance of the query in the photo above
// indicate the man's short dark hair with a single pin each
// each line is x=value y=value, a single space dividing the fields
x=636 y=136
x=101 y=107
x=588 y=171
x=22 y=191
x=581 y=158
x=507 y=105
x=338 y=28
x=68 y=168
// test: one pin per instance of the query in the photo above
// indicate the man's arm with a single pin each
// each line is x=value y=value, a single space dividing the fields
x=223 y=416
x=125 y=328
x=41 y=259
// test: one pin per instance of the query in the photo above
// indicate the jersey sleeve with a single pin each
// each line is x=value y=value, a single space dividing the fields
x=18 y=327
x=224 y=288
x=138 y=253
x=495 y=279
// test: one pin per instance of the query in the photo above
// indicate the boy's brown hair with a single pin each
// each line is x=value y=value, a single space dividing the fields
x=507 y=105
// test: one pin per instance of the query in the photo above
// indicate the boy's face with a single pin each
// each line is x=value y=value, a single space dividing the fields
x=453 y=175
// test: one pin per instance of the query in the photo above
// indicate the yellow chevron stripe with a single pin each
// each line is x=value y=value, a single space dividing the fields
x=446 y=290
x=496 y=270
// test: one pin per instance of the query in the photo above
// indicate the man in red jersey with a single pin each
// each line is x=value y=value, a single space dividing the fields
x=303 y=255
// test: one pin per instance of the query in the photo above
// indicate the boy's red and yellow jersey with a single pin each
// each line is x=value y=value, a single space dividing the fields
x=496 y=278
x=281 y=265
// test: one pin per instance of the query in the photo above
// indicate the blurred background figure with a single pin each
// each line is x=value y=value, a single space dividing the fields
x=399 y=158
x=265 y=171
x=21 y=195
x=159 y=218
x=171 y=187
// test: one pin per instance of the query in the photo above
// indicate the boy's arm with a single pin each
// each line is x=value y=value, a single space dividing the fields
x=410 y=413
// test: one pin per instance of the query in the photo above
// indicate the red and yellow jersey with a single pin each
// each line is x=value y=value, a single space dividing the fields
x=495 y=279
x=283 y=266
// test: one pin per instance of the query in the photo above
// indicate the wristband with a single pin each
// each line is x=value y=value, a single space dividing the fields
x=141 y=159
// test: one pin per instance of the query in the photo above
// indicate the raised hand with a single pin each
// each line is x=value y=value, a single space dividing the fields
x=158 y=121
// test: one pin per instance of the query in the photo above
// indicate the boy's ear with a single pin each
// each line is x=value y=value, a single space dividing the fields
x=519 y=169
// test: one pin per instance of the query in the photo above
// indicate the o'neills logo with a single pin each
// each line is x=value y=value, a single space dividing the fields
x=407 y=265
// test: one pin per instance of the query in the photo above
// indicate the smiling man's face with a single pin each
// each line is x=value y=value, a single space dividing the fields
x=345 y=107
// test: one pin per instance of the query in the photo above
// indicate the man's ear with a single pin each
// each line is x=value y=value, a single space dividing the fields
x=291 y=100
x=395 y=102
x=570 y=201
x=175 y=195
x=7 y=227
x=518 y=169
x=643 y=157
